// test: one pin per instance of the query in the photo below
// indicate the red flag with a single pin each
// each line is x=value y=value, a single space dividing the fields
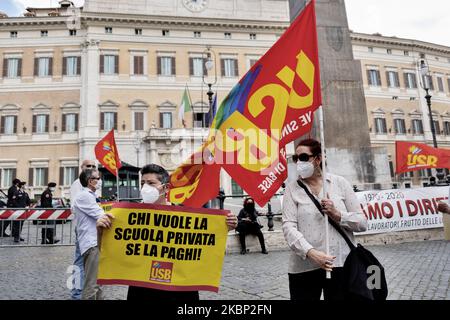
x=107 y=154
x=417 y=156
x=199 y=176
x=271 y=106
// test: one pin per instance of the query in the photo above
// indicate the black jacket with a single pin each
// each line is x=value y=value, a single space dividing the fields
x=12 y=197
x=244 y=214
x=46 y=199
x=23 y=200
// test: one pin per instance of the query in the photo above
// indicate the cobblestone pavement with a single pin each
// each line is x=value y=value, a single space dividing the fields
x=415 y=271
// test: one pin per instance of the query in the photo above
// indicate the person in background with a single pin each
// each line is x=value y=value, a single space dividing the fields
x=248 y=224
x=154 y=188
x=23 y=201
x=87 y=212
x=304 y=226
x=78 y=274
x=48 y=232
x=13 y=192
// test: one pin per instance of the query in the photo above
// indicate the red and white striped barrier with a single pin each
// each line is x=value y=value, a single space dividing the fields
x=36 y=214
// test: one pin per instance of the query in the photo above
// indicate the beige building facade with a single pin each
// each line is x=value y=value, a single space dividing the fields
x=69 y=75
x=395 y=95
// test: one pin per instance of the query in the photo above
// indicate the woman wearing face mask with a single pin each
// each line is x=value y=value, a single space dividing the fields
x=304 y=227
x=248 y=224
x=154 y=188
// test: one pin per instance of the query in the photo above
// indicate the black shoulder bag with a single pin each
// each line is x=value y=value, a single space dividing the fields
x=359 y=263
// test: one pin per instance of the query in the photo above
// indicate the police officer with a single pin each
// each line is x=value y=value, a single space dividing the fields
x=11 y=203
x=23 y=201
x=46 y=202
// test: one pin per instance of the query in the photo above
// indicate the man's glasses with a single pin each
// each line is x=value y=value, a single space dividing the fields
x=304 y=157
x=91 y=166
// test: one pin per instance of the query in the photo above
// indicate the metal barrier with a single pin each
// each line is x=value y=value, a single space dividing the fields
x=35 y=225
x=219 y=203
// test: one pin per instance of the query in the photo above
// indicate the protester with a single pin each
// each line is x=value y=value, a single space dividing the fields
x=154 y=188
x=304 y=227
x=87 y=212
x=48 y=232
x=248 y=224
x=23 y=201
x=78 y=274
x=11 y=203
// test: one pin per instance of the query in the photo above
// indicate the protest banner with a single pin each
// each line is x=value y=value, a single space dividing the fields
x=402 y=210
x=170 y=248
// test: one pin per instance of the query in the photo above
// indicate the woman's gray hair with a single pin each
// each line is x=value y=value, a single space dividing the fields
x=85 y=175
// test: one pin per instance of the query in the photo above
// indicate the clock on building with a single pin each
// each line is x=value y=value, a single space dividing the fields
x=195 y=5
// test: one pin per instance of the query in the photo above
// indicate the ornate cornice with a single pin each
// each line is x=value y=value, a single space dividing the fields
x=400 y=42
x=160 y=21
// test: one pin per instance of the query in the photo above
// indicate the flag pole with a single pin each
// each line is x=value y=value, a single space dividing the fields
x=324 y=183
x=117 y=182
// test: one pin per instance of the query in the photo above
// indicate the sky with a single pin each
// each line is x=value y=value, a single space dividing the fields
x=412 y=19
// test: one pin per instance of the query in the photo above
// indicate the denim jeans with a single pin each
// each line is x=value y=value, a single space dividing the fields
x=76 y=292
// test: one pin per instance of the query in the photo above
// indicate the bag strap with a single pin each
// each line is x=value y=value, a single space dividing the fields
x=331 y=221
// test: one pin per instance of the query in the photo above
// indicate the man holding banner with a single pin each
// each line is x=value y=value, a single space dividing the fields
x=154 y=188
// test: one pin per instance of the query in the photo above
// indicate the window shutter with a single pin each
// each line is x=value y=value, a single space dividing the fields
x=116 y=64
x=191 y=66
x=63 y=123
x=34 y=123
x=414 y=80
x=15 y=125
x=448 y=84
x=115 y=120
x=77 y=172
x=76 y=122
x=236 y=68
x=388 y=79
x=431 y=83
x=161 y=121
x=158 y=62
x=78 y=66
x=405 y=79
x=61 y=176
x=222 y=67
x=369 y=79
x=5 y=68
x=64 y=66
x=378 y=78
x=102 y=63
x=2 y=125
x=45 y=176
x=47 y=121
x=139 y=121
x=135 y=65
x=19 y=68
x=102 y=121
x=397 y=80
x=50 y=66
x=174 y=69
x=30 y=176
x=36 y=67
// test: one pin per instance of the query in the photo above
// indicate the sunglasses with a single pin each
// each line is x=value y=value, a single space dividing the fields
x=304 y=157
x=95 y=178
x=91 y=166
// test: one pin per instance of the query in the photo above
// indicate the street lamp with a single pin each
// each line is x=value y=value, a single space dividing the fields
x=209 y=58
x=425 y=80
x=137 y=146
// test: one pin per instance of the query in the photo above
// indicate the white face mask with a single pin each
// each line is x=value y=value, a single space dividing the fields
x=149 y=194
x=52 y=189
x=99 y=184
x=305 y=170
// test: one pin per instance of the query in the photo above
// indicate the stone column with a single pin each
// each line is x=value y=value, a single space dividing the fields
x=347 y=139
x=89 y=117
